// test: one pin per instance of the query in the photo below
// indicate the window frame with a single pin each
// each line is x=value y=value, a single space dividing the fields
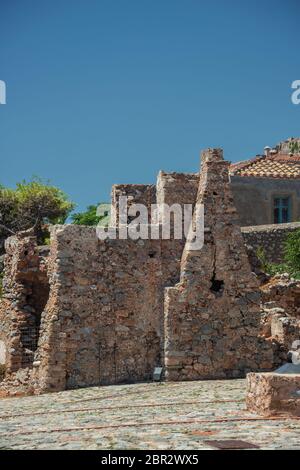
x=281 y=207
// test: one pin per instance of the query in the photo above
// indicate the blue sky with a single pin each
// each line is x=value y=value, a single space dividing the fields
x=112 y=91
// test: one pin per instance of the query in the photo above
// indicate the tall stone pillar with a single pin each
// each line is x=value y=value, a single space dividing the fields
x=212 y=316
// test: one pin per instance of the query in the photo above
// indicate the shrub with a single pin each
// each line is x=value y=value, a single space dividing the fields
x=32 y=203
x=292 y=252
x=294 y=147
x=291 y=256
x=90 y=217
x=261 y=255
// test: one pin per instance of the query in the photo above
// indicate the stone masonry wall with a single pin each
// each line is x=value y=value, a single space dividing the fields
x=181 y=188
x=103 y=321
x=271 y=394
x=177 y=188
x=212 y=316
x=269 y=237
x=25 y=293
x=106 y=312
x=281 y=303
x=136 y=194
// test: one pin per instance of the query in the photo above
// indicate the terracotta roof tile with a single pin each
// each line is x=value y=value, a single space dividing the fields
x=272 y=166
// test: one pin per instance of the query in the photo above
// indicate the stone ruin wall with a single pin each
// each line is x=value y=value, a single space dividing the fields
x=281 y=314
x=113 y=310
x=104 y=315
x=136 y=194
x=177 y=188
x=270 y=238
x=170 y=188
x=181 y=188
x=270 y=394
x=25 y=293
x=102 y=318
x=212 y=316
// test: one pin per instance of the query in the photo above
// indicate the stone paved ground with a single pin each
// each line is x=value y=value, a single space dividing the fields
x=178 y=415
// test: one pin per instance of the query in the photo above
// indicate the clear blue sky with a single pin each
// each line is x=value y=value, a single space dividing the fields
x=112 y=91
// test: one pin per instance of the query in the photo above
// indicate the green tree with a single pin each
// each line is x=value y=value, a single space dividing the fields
x=90 y=217
x=32 y=203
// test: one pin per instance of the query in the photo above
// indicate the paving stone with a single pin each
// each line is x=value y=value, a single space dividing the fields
x=141 y=416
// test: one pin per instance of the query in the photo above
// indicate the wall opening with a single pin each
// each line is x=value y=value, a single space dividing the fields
x=217 y=286
x=35 y=300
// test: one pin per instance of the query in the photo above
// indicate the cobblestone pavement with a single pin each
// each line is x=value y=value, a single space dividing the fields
x=181 y=415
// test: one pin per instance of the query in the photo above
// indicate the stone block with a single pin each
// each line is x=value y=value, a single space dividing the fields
x=271 y=394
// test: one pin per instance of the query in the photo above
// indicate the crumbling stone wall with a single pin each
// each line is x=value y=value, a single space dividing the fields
x=177 y=188
x=212 y=316
x=109 y=311
x=281 y=314
x=270 y=394
x=270 y=238
x=284 y=292
x=174 y=189
x=25 y=293
x=170 y=188
x=181 y=188
x=102 y=324
x=136 y=194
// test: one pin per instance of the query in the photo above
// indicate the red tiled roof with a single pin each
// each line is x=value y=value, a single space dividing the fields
x=273 y=166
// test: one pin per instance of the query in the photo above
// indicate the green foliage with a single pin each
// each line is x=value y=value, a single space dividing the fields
x=30 y=203
x=8 y=207
x=291 y=262
x=292 y=253
x=294 y=147
x=47 y=240
x=273 y=269
x=89 y=217
x=37 y=199
x=261 y=255
x=266 y=266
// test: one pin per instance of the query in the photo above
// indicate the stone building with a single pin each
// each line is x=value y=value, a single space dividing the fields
x=266 y=189
x=96 y=312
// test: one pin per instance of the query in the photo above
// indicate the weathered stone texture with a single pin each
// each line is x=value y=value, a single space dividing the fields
x=270 y=393
x=26 y=289
x=95 y=312
x=270 y=238
x=103 y=319
x=177 y=188
x=285 y=292
x=281 y=314
x=212 y=317
x=136 y=194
